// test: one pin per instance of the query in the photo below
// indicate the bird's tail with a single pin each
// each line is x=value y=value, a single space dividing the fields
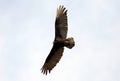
x=69 y=43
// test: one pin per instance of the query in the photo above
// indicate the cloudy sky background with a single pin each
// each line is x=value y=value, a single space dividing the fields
x=27 y=33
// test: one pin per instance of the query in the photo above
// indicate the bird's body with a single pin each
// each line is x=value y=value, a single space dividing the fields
x=60 y=41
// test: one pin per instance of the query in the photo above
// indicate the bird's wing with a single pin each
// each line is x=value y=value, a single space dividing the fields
x=52 y=59
x=61 y=25
x=61 y=33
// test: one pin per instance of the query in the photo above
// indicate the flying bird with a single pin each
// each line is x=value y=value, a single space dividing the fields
x=60 y=41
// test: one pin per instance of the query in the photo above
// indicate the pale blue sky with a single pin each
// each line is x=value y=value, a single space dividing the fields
x=27 y=33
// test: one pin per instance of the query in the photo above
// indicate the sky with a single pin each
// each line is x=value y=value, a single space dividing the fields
x=27 y=32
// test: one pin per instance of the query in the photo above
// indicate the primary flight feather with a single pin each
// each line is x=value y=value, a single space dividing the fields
x=61 y=27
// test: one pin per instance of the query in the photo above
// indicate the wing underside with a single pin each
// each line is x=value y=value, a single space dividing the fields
x=61 y=25
x=52 y=59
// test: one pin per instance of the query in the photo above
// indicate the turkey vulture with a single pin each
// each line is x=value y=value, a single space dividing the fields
x=60 y=41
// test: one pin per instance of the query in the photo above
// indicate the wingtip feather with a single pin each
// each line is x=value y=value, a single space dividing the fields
x=61 y=10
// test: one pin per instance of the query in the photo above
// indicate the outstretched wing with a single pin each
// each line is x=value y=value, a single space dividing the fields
x=61 y=25
x=61 y=33
x=52 y=59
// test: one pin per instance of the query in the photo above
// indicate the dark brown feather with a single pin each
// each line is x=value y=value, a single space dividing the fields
x=52 y=59
x=58 y=47
x=61 y=25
